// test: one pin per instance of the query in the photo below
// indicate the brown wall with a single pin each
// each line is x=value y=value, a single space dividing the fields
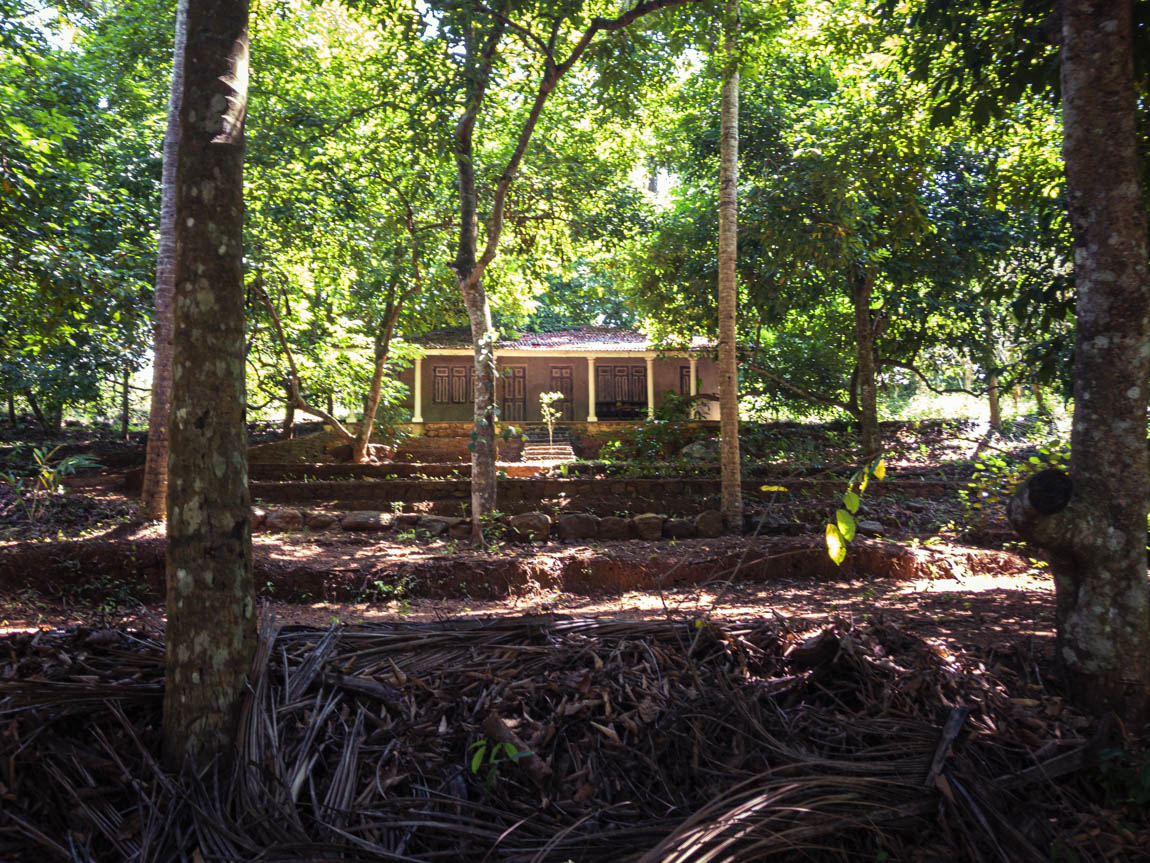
x=538 y=371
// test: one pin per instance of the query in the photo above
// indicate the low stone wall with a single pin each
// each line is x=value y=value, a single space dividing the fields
x=599 y=496
x=526 y=527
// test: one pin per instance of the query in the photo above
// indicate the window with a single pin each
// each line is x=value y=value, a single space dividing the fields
x=453 y=385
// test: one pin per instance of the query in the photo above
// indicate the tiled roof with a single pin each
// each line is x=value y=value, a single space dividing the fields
x=587 y=339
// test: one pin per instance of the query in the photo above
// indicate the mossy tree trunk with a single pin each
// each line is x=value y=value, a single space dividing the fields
x=211 y=630
x=1096 y=530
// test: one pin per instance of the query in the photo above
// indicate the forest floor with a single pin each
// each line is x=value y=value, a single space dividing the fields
x=931 y=617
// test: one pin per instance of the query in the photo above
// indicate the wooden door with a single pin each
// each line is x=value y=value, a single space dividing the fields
x=514 y=394
x=562 y=381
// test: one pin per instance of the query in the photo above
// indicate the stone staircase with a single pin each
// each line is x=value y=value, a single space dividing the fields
x=537 y=446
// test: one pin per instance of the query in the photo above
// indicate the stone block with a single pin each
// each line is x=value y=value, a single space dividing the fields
x=614 y=527
x=709 y=523
x=284 y=519
x=320 y=520
x=366 y=519
x=530 y=526
x=648 y=526
x=407 y=520
x=258 y=517
x=679 y=528
x=578 y=525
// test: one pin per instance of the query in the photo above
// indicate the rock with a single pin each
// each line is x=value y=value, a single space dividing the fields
x=916 y=506
x=709 y=523
x=618 y=488
x=701 y=450
x=679 y=528
x=461 y=530
x=578 y=525
x=870 y=528
x=284 y=519
x=366 y=520
x=530 y=526
x=376 y=452
x=258 y=516
x=320 y=520
x=648 y=526
x=406 y=520
x=614 y=527
x=437 y=525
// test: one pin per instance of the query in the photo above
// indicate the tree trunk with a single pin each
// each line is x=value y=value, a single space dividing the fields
x=862 y=285
x=732 y=492
x=1099 y=539
x=125 y=402
x=990 y=363
x=470 y=280
x=1039 y=402
x=211 y=630
x=155 y=483
x=36 y=412
x=12 y=409
x=287 y=431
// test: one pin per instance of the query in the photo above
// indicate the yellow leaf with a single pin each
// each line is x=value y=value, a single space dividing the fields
x=773 y=488
x=880 y=468
x=836 y=546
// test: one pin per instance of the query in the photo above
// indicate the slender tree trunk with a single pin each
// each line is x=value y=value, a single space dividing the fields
x=125 y=402
x=1097 y=530
x=990 y=363
x=12 y=409
x=36 y=412
x=732 y=492
x=288 y=429
x=155 y=483
x=211 y=630
x=1039 y=402
x=861 y=288
x=470 y=279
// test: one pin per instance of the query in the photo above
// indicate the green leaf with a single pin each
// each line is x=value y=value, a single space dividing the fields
x=480 y=748
x=836 y=547
x=851 y=501
x=846 y=524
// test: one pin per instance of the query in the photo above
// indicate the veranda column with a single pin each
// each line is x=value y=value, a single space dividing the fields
x=650 y=388
x=417 y=414
x=591 y=418
x=694 y=377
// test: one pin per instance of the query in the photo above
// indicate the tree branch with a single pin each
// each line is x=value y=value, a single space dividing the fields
x=297 y=398
x=799 y=391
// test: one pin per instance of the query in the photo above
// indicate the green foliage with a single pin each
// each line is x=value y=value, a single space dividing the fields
x=494 y=756
x=996 y=476
x=35 y=487
x=841 y=531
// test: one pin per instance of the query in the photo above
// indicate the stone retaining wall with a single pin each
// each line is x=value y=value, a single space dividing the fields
x=526 y=527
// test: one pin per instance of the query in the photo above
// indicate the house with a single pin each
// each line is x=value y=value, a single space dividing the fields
x=604 y=374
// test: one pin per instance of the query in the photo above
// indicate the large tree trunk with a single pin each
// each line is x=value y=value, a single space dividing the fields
x=211 y=630
x=732 y=493
x=862 y=285
x=155 y=483
x=990 y=363
x=1099 y=537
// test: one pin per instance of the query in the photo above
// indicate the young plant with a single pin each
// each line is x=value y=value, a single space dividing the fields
x=47 y=479
x=550 y=413
x=841 y=531
x=494 y=755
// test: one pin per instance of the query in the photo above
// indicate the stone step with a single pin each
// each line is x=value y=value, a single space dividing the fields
x=542 y=452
